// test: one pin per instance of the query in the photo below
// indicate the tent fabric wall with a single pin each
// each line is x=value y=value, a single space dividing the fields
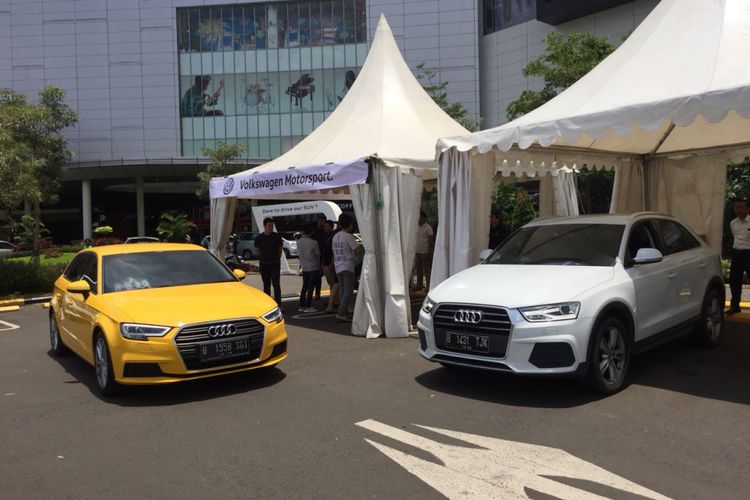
x=389 y=241
x=691 y=189
x=222 y=219
x=629 y=189
x=558 y=195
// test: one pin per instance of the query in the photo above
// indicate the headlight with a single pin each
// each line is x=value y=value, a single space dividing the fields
x=428 y=305
x=551 y=312
x=135 y=331
x=273 y=316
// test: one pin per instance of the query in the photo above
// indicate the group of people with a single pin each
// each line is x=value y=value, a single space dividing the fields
x=323 y=252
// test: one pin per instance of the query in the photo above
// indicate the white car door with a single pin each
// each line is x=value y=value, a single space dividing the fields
x=650 y=282
x=689 y=264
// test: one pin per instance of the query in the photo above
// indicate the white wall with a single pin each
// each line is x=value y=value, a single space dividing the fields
x=504 y=54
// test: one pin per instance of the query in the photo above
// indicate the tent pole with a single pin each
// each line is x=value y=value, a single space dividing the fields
x=378 y=205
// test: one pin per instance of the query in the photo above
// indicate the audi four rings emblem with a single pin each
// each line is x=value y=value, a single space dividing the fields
x=221 y=330
x=467 y=316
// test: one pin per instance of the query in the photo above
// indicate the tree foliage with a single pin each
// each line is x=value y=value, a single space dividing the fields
x=565 y=60
x=222 y=158
x=33 y=150
x=174 y=228
x=439 y=93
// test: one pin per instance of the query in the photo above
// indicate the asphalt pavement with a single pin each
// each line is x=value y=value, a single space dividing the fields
x=344 y=417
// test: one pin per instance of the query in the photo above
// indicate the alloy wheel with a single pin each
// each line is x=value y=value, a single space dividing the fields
x=101 y=362
x=54 y=337
x=612 y=356
x=714 y=317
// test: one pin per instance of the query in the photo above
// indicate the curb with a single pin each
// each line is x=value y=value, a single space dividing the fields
x=24 y=302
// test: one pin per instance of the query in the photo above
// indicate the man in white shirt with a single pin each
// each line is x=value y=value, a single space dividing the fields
x=344 y=248
x=740 y=227
x=423 y=252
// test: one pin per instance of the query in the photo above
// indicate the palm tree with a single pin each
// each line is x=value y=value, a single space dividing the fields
x=174 y=228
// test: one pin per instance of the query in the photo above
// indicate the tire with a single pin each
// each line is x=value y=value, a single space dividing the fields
x=711 y=325
x=105 y=378
x=56 y=344
x=286 y=252
x=247 y=255
x=609 y=357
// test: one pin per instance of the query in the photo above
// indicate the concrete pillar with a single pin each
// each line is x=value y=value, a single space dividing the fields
x=139 y=206
x=86 y=207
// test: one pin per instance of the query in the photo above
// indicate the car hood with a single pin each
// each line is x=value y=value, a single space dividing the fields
x=181 y=305
x=515 y=286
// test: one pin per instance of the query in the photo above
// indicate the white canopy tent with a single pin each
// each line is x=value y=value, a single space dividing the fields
x=375 y=147
x=667 y=110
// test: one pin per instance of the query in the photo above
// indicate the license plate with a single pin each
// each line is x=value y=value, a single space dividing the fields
x=222 y=349
x=467 y=342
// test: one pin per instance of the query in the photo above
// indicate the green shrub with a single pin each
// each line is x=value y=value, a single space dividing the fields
x=24 y=278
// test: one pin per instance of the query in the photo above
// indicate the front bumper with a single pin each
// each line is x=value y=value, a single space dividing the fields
x=553 y=348
x=157 y=360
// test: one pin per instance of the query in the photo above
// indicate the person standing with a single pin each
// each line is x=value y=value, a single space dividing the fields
x=344 y=248
x=319 y=235
x=423 y=252
x=498 y=232
x=309 y=260
x=329 y=271
x=269 y=246
x=740 y=227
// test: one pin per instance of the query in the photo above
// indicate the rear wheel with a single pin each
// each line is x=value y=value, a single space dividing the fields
x=56 y=343
x=609 y=356
x=711 y=325
x=247 y=254
x=105 y=377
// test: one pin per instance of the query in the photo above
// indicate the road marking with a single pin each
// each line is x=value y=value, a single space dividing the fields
x=500 y=469
x=5 y=326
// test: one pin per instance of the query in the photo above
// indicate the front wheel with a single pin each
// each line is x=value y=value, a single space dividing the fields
x=105 y=377
x=609 y=357
x=247 y=255
x=711 y=325
x=56 y=343
x=287 y=254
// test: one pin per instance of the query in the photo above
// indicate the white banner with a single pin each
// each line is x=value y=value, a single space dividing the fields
x=250 y=184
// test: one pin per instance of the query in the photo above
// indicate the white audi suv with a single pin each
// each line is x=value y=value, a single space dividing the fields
x=576 y=295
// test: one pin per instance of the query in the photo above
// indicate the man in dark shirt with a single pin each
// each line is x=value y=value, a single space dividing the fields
x=269 y=245
x=498 y=233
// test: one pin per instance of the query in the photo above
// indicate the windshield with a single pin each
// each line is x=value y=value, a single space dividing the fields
x=561 y=244
x=133 y=271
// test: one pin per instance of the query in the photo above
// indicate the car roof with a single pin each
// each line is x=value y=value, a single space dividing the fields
x=143 y=247
x=597 y=219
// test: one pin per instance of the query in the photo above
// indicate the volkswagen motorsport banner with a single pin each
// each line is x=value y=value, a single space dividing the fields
x=251 y=183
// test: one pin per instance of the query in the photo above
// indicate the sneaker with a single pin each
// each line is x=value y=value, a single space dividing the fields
x=300 y=309
x=310 y=310
x=733 y=310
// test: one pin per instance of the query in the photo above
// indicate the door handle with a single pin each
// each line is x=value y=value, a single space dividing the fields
x=701 y=265
x=671 y=275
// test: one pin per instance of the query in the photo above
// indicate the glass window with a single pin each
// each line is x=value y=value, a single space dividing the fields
x=561 y=244
x=360 y=17
x=674 y=237
x=73 y=271
x=89 y=270
x=135 y=271
x=641 y=236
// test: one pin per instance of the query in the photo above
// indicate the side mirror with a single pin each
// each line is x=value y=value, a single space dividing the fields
x=647 y=256
x=80 y=286
x=485 y=253
x=239 y=273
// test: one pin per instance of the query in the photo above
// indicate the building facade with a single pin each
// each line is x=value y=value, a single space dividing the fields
x=156 y=81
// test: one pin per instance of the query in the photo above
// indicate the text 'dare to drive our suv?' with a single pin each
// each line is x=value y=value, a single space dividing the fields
x=576 y=295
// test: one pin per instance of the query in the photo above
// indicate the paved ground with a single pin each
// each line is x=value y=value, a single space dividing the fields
x=682 y=427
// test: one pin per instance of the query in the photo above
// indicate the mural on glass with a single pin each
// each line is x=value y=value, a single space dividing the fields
x=265 y=74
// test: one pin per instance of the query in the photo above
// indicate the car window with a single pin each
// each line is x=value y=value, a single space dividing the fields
x=6 y=245
x=674 y=237
x=73 y=271
x=561 y=244
x=641 y=236
x=132 y=271
x=89 y=270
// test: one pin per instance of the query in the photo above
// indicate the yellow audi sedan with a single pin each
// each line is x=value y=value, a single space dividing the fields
x=156 y=313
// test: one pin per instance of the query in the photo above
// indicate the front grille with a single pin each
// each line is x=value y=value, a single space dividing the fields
x=495 y=324
x=142 y=370
x=192 y=336
x=552 y=355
